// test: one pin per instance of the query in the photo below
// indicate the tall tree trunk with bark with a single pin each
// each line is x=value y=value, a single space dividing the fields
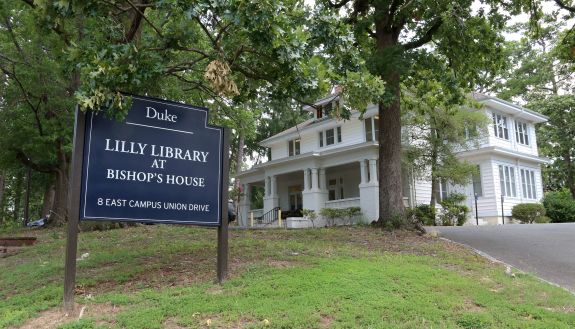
x=18 y=189
x=48 y=200
x=2 y=188
x=390 y=184
x=570 y=173
x=60 y=209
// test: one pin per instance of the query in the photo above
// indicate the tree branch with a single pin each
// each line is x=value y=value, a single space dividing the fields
x=25 y=160
x=427 y=37
x=144 y=17
x=562 y=4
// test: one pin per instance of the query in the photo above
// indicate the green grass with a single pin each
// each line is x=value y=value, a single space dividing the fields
x=162 y=277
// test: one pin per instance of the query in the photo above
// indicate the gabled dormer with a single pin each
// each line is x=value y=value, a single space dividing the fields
x=325 y=107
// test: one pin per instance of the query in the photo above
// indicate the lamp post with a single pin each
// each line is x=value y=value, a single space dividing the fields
x=476 y=211
x=502 y=213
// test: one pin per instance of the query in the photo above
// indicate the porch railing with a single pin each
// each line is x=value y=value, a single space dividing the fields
x=343 y=203
x=269 y=217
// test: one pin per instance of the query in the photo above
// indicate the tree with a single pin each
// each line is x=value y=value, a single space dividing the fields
x=399 y=37
x=438 y=128
x=37 y=103
x=216 y=54
x=557 y=140
x=536 y=69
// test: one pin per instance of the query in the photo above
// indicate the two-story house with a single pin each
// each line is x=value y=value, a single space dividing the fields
x=329 y=163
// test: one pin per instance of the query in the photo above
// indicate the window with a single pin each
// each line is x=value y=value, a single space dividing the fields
x=371 y=129
x=528 y=183
x=507 y=181
x=442 y=189
x=500 y=126
x=293 y=147
x=330 y=137
x=476 y=177
x=323 y=110
x=335 y=189
x=521 y=133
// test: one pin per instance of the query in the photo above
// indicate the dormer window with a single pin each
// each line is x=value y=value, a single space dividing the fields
x=521 y=134
x=330 y=136
x=324 y=110
x=293 y=147
x=500 y=126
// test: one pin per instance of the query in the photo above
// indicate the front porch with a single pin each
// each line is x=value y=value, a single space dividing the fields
x=314 y=187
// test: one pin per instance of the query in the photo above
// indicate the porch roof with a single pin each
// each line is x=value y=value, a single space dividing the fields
x=495 y=150
x=305 y=156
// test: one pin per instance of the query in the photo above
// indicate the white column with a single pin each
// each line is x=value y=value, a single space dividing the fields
x=274 y=187
x=322 y=182
x=363 y=170
x=267 y=186
x=372 y=171
x=306 y=179
x=314 y=179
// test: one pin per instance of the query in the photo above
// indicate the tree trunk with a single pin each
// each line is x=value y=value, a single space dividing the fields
x=390 y=185
x=570 y=173
x=434 y=181
x=239 y=163
x=48 y=201
x=60 y=210
x=2 y=187
x=18 y=188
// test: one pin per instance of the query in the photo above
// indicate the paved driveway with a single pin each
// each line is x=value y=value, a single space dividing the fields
x=546 y=250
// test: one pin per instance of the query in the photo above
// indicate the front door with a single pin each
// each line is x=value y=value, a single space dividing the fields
x=295 y=198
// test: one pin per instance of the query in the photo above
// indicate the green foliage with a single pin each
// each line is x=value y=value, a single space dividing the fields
x=557 y=140
x=347 y=214
x=528 y=213
x=310 y=214
x=453 y=212
x=425 y=214
x=559 y=206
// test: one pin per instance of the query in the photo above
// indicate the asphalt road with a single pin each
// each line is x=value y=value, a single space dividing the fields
x=546 y=250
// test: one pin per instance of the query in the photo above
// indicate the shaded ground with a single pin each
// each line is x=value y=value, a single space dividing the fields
x=547 y=250
x=162 y=277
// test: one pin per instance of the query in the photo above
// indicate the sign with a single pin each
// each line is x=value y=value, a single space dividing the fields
x=162 y=164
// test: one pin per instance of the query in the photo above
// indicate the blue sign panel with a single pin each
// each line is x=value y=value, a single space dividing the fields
x=162 y=164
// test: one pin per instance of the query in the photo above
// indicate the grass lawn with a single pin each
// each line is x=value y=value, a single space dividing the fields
x=162 y=277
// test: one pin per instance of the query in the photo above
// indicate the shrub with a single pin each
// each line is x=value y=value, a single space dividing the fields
x=528 y=212
x=453 y=211
x=331 y=214
x=542 y=220
x=310 y=214
x=425 y=214
x=559 y=206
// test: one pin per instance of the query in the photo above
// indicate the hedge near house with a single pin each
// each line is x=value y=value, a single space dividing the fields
x=560 y=206
x=527 y=213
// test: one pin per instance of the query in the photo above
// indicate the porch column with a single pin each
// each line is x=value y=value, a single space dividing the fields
x=314 y=197
x=373 y=171
x=322 y=182
x=274 y=187
x=363 y=170
x=369 y=191
x=266 y=186
x=306 y=180
x=271 y=200
x=314 y=179
x=245 y=205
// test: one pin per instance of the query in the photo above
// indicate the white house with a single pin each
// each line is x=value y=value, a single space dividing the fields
x=329 y=163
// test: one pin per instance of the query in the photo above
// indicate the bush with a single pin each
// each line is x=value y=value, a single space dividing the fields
x=542 y=220
x=310 y=214
x=559 y=206
x=453 y=211
x=330 y=214
x=527 y=213
x=424 y=213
